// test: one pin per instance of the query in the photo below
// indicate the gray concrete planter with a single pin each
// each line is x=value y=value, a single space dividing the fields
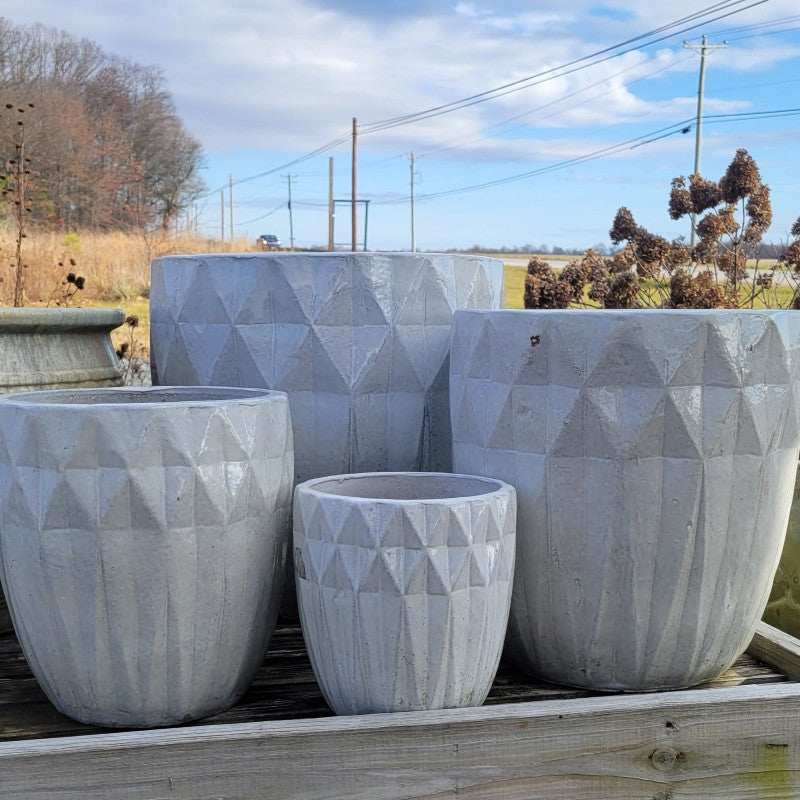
x=654 y=455
x=404 y=584
x=142 y=546
x=360 y=343
x=47 y=348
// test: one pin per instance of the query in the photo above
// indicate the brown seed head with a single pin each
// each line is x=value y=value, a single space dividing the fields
x=741 y=178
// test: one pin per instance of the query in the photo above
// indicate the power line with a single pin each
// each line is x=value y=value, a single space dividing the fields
x=683 y=127
x=561 y=99
x=697 y=18
x=570 y=67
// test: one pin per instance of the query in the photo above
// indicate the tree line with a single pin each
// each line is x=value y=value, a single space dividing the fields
x=107 y=149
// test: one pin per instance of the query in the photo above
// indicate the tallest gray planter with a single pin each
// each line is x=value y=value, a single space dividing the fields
x=359 y=341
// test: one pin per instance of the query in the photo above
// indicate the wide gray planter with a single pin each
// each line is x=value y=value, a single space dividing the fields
x=143 y=539
x=654 y=455
x=47 y=348
x=404 y=583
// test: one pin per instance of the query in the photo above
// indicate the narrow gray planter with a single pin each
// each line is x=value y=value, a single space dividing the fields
x=143 y=537
x=404 y=584
x=46 y=348
x=654 y=455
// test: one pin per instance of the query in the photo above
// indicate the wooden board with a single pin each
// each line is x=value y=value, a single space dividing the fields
x=738 y=739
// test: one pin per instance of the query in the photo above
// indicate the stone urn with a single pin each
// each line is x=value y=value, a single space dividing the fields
x=404 y=584
x=46 y=348
x=143 y=543
x=654 y=455
x=359 y=341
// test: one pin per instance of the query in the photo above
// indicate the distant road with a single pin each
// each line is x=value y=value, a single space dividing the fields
x=517 y=261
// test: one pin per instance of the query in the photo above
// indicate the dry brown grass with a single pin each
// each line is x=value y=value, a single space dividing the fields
x=116 y=265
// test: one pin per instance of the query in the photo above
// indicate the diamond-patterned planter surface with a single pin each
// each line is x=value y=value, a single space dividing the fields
x=360 y=342
x=142 y=546
x=654 y=454
x=404 y=583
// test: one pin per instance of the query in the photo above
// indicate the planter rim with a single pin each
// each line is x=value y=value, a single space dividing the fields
x=133 y=397
x=339 y=254
x=491 y=487
x=533 y=313
x=39 y=319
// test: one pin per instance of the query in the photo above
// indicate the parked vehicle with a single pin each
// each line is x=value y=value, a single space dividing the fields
x=269 y=241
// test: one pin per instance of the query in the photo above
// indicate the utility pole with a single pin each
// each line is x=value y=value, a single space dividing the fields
x=353 y=192
x=413 y=159
x=230 y=194
x=222 y=215
x=331 y=204
x=704 y=47
x=290 y=179
x=413 y=234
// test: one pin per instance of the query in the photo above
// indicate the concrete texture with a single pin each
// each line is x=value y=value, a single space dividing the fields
x=360 y=343
x=143 y=542
x=404 y=583
x=654 y=455
x=47 y=348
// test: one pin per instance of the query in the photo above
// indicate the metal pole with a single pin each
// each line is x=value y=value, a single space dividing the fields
x=703 y=47
x=331 y=205
x=222 y=215
x=366 y=221
x=353 y=193
x=413 y=234
x=231 y=199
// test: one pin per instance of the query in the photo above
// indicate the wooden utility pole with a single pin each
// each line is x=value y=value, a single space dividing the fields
x=704 y=47
x=222 y=215
x=331 y=205
x=289 y=179
x=354 y=193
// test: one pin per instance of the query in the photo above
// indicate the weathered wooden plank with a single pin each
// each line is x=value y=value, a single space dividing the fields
x=729 y=743
x=284 y=688
x=779 y=649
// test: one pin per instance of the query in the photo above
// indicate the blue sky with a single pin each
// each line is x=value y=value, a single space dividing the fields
x=262 y=84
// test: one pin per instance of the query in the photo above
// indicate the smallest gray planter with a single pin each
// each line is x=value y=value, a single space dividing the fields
x=404 y=586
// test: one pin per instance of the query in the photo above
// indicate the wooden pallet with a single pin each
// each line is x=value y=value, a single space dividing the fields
x=736 y=737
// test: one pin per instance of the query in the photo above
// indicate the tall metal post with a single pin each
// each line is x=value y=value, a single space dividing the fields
x=703 y=47
x=222 y=215
x=289 y=179
x=331 y=204
x=354 y=193
x=413 y=233
x=230 y=197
